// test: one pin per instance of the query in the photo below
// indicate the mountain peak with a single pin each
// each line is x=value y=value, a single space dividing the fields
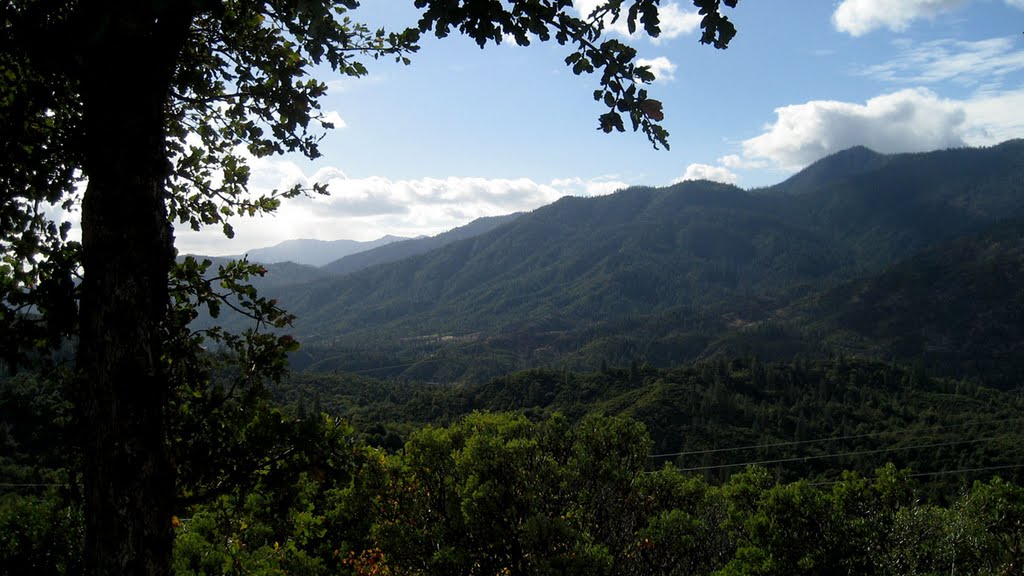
x=835 y=167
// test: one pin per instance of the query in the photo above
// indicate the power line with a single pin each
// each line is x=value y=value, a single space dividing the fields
x=965 y=470
x=938 y=473
x=833 y=439
x=426 y=360
x=393 y=366
x=838 y=455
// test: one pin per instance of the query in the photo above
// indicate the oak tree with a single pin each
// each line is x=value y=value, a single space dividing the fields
x=142 y=112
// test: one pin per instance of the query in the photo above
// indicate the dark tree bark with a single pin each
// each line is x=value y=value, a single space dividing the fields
x=125 y=74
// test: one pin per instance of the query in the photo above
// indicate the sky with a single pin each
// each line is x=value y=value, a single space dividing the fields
x=464 y=133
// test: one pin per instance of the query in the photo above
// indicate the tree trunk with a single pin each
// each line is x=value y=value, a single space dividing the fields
x=129 y=484
x=128 y=249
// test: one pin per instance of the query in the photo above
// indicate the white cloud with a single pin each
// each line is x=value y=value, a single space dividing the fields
x=911 y=120
x=662 y=68
x=600 y=186
x=367 y=208
x=736 y=161
x=272 y=173
x=707 y=172
x=858 y=17
x=73 y=216
x=1016 y=3
x=489 y=196
x=731 y=161
x=334 y=118
x=673 y=20
x=994 y=118
x=342 y=84
x=968 y=63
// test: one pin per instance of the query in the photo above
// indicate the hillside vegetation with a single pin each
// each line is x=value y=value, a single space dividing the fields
x=669 y=275
x=820 y=377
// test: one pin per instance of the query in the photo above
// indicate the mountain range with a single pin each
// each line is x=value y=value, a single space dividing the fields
x=312 y=252
x=909 y=256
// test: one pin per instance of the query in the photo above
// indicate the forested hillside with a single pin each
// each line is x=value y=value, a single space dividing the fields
x=802 y=419
x=314 y=252
x=580 y=493
x=410 y=247
x=818 y=377
x=697 y=269
x=959 y=308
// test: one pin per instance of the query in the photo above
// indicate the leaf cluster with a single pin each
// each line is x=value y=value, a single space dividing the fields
x=40 y=116
x=621 y=77
x=244 y=89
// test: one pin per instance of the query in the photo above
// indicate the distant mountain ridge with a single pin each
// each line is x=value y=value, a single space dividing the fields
x=313 y=252
x=283 y=276
x=392 y=252
x=335 y=257
x=661 y=275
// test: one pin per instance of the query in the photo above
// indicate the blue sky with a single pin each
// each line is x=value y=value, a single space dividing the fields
x=464 y=132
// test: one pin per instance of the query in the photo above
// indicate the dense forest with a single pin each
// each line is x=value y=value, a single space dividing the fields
x=811 y=267
x=546 y=492
x=690 y=380
x=723 y=466
x=803 y=420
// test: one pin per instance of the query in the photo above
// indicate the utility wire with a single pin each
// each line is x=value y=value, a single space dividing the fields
x=426 y=360
x=965 y=470
x=939 y=473
x=393 y=366
x=838 y=455
x=833 y=439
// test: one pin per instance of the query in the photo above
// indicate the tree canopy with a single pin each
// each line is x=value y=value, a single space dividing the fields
x=142 y=114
